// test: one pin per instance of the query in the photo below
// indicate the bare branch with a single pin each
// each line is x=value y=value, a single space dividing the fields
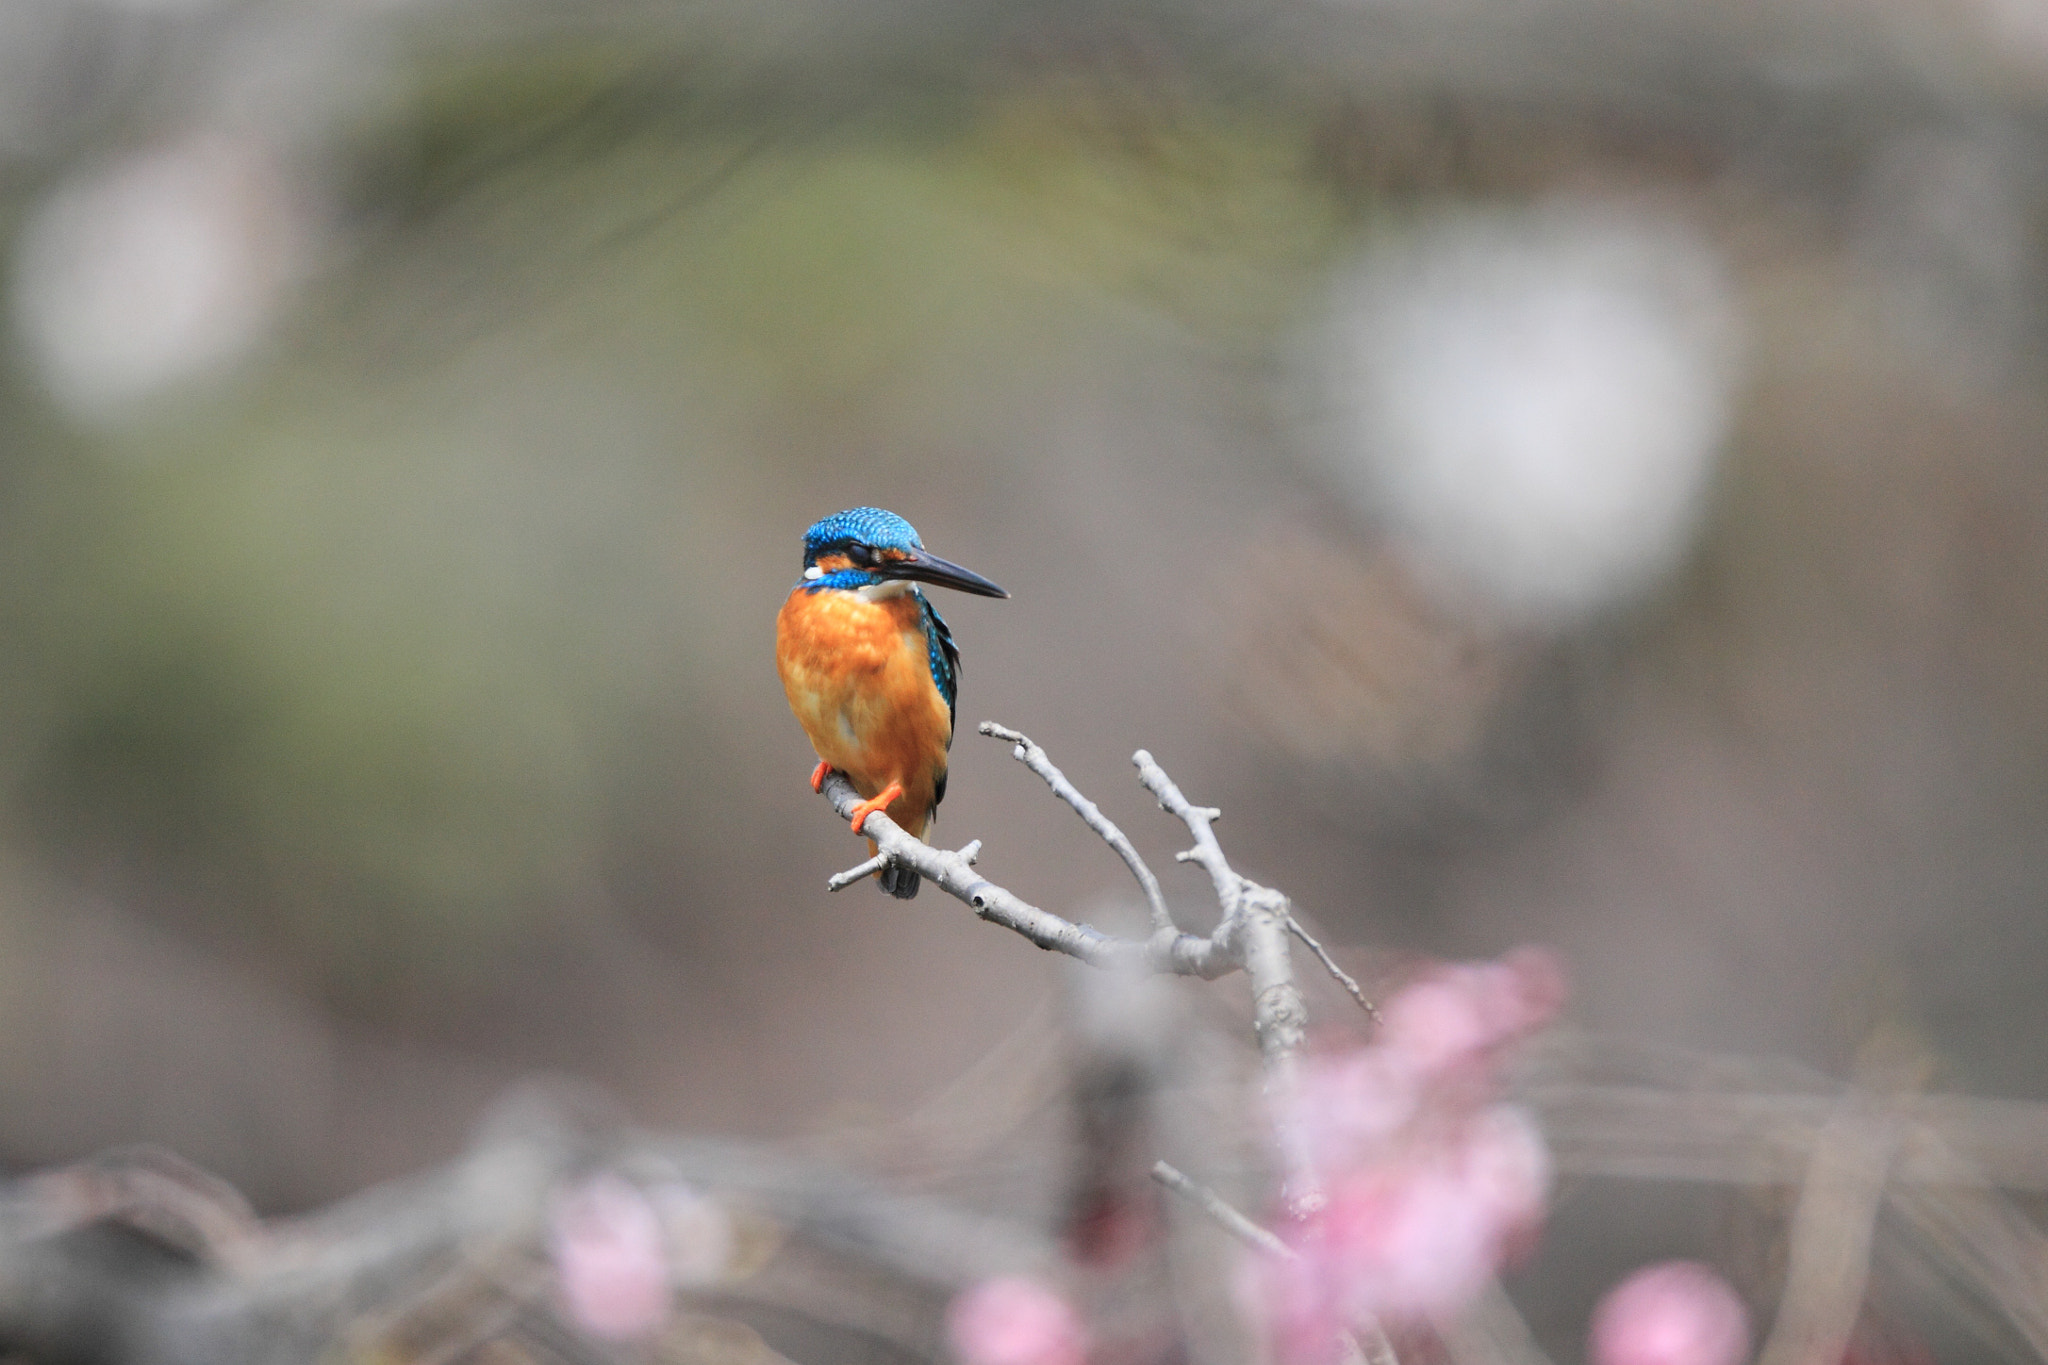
x=1034 y=757
x=1750 y=1137
x=1218 y=1210
x=1831 y=1237
x=442 y=1260
x=839 y=881
x=154 y=1191
x=1330 y=966
x=1254 y=916
x=1251 y=930
x=1278 y=1011
x=1255 y=920
x=1977 y=1239
x=1207 y=852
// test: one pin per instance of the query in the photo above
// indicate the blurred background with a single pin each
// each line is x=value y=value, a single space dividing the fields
x=1566 y=472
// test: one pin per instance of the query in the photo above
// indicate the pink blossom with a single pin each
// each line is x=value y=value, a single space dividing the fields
x=605 y=1237
x=1406 y=1240
x=1015 y=1321
x=1347 y=1104
x=1675 y=1313
x=1461 y=1013
x=1440 y=1021
x=1295 y=1301
x=1430 y=1184
x=1420 y=1234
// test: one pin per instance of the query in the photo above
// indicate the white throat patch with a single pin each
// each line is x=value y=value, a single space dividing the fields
x=881 y=592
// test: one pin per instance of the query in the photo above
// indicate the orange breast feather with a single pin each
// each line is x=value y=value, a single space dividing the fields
x=859 y=678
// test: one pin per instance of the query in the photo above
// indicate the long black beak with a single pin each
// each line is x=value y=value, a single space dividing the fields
x=929 y=568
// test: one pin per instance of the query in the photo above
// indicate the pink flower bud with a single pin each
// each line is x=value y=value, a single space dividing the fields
x=1675 y=1313
x=1430 y=1184
x=1015 y=1321
x=611 y=1264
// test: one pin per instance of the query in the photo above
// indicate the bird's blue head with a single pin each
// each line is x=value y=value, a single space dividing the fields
x=865 y=547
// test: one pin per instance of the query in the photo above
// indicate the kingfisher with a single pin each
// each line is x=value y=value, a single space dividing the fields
x=871 y=670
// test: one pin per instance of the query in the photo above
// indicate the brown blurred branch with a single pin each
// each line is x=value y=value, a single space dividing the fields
x=138 y=1257
x=1730 y=1135
x=1831 y=1235
x=1939 y=1162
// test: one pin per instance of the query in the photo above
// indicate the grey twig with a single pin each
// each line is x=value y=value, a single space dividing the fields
x=1035 y=758
x=1255 y=922
x=1207 y=852
x=840 y=880
x=1219 y=1211
x=1330 y=966
x=1253 y=915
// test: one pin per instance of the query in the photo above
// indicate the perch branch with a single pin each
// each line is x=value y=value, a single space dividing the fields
x=1251 y=931
x=1174 y=953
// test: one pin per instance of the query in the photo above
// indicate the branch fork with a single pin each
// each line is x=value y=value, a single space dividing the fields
x=1250 y=932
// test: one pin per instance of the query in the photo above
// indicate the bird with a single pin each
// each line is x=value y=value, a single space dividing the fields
x=871 y=670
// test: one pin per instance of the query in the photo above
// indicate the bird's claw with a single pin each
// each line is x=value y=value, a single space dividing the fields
x=867 y=808
x=818 y=775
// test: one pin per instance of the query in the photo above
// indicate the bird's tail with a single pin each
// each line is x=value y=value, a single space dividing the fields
x=896 y=879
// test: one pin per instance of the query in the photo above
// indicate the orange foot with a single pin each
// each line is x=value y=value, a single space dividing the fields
x=818 y=775
x=867 y=808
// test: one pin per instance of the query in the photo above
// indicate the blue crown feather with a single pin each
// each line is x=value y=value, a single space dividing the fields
x=874 y=526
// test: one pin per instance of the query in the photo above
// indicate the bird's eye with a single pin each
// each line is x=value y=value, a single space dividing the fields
x=860 y=554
